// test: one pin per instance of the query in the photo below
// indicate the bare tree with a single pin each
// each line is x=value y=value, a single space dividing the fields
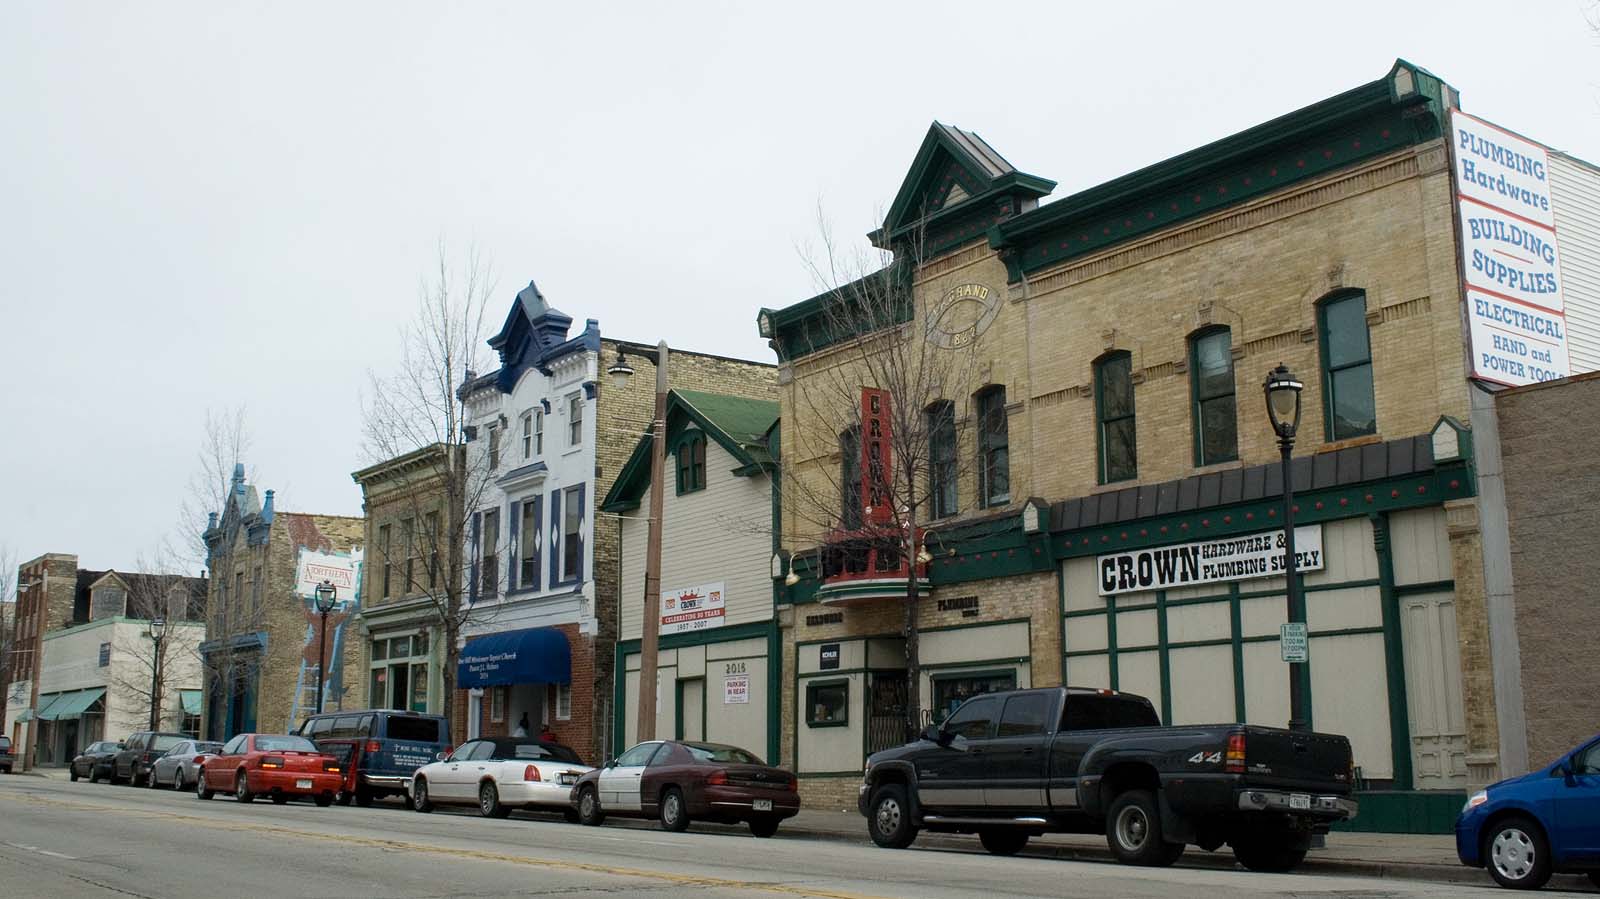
x=8 y=618
x=177 y=600
x=225 y=444
x=416 y=412
x=882 y=398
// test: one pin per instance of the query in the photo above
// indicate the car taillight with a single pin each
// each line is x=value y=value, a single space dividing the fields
x=1233 y=760
x=272 y=762
x=331 y=767
x=199 y=760
x=531 y=773
x=372 y=746
x=793 y=785
x=717 y=779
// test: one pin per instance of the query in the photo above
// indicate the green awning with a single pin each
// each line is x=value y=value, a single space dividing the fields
x=71 y=705
x=25 y=715
x=47 y=703
x=191 y=701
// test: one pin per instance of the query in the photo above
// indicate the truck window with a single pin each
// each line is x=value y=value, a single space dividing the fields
x=1025 y=715
x=973 y=720
x=1094 y=711
x=416 y=730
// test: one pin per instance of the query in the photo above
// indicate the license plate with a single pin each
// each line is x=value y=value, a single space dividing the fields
x=1299 y=801
x=303 y=783
x=762 y=805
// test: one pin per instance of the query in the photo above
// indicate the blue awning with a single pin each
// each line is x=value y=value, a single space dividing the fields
x=538 y=655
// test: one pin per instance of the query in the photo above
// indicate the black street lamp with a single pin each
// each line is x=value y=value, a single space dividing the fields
x=158 y=632
x=327 y=594
x=1283 y=409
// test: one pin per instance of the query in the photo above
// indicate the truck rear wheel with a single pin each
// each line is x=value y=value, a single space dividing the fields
x=1272 y=852
x=1133 y=831
x=889 y=818
x=1003 y=841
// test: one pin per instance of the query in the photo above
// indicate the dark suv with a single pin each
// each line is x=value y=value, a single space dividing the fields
x=139 y=752
x=5 y=754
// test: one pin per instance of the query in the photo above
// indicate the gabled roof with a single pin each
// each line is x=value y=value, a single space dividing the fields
x=737 y=424
x=955 y=172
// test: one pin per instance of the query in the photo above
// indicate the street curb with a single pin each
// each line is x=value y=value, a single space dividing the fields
x=1193 y=858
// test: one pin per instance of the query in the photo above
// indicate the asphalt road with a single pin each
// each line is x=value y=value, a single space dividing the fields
x=62 y=839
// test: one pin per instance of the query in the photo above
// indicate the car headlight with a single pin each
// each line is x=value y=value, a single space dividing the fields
x=1475 y=800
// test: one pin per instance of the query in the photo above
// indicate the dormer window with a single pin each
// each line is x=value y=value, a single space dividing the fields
x=692 y=463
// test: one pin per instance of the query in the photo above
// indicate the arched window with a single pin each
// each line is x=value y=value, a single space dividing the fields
x=1216 y=423
x=1349 y=407
x=941 y=459
x=691 y=462
x=1113 y=405
x=850 y=478
x=994 y=447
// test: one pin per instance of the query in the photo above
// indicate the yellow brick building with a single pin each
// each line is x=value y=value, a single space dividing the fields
x=1121 y=336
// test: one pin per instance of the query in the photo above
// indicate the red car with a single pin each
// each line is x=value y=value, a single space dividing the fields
x=677 y=782
x=279 y=766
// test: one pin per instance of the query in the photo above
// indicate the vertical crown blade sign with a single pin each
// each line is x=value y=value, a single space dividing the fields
x=875 y=455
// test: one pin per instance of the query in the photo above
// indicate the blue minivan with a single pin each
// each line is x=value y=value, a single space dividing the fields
x=1529 y=827
x=379 y=749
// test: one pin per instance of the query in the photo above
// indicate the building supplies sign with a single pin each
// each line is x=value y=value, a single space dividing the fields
x=1208 y=562
x=692 y=609
x=1515 y=311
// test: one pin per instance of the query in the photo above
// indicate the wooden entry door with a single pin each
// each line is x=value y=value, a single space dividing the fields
x=1433 y=692
x=692 y=709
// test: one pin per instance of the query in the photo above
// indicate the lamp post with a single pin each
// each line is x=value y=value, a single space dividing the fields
x=1282 y=391
x=158 y=632
x=650 y=637
x=327 y=594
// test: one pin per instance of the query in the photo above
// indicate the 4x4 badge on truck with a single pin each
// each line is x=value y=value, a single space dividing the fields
x=1206 y=758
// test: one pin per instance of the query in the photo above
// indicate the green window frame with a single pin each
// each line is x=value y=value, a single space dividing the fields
x=1349 y=405
x=821 y=694
x=1216 y=413
x=941 y=423
x=850 y=513
x=1115 y=428
x=691 y=456
x=994 y=447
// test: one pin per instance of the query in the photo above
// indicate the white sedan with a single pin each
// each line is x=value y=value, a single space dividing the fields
x=498 y=775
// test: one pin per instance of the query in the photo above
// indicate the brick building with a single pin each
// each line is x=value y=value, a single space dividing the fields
x=263 y=651
x=1115 y=437
x=413 y=505
x=542 y=566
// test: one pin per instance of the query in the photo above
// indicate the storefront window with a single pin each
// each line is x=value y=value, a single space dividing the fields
x=949 y=692
x=828 y=704
x=419 y=687
x=399 y=675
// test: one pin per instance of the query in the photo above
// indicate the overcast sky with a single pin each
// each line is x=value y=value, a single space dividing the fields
x=211 y=204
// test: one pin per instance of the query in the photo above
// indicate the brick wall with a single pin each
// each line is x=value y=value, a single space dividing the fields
x=1551 y=495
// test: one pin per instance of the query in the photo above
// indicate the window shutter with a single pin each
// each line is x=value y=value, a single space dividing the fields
x=583 y=508
x=555 y=537
x=472 y=569
x=515 y=561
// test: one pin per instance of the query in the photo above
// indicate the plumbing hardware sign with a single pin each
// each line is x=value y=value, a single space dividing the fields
x=1209 y=561
x=693 y=609
x=1517 y=325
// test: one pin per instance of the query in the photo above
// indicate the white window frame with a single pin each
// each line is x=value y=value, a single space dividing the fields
x=538 y=432
x=575 y=404
x=567 y=494
x=527 y=435
x=564 y=702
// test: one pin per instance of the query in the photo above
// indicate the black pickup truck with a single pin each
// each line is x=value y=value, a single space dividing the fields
x=1007 y=766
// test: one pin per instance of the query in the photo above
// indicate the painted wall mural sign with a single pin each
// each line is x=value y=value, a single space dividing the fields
x=961 y=315
x=693 y=609
x=1516 y=316
x=1208 y=562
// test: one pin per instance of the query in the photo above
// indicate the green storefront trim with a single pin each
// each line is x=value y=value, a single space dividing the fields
x=1406 y=811
x=767 y=630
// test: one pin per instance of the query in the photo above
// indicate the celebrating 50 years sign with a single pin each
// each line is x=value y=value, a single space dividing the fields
x=1209 y=561
x=692 y=609
x=1515 y=312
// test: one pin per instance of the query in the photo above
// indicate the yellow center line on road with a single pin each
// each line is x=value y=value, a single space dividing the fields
x=474 y=854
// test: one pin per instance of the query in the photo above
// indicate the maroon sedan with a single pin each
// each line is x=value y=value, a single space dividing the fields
x=680 y=782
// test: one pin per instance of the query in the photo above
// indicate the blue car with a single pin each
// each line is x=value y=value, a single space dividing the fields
x=1529 y=827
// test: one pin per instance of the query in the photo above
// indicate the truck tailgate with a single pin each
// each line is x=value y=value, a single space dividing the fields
x=1304 y=761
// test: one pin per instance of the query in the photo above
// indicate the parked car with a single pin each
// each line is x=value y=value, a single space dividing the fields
x=1529 y=827
x=6 y=756
x=1010 y=765
x=499 y=775
x=95 y=761
x=379 y=748
x=178 y=767
x=139 y=752
x=679 y=782
x=278 y=766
